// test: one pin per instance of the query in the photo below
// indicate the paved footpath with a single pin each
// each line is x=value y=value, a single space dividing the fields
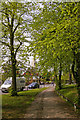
x=49 y=105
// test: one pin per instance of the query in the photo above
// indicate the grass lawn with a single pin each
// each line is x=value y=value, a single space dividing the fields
x=70 y=92
x=15 y=106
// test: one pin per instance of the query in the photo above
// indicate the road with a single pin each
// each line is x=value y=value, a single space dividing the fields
x=0 y=92
x=49 y=105
x=41 y=86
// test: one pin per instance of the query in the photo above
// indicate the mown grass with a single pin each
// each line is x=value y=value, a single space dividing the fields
x=70 y=92
x=15 y=106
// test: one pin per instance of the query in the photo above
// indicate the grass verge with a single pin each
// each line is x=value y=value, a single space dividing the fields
x=70 y=92
x=15 y=106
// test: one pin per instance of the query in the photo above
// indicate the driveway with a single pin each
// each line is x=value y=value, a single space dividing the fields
x=49 y=105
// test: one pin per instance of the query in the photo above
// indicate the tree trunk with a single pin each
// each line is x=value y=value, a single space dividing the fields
x=55 y=74
x=14 y=74
x=78 y=76
x=60 y=71
x=73 y=65
x=70 y=76
x=78 y=57
x=13 y=60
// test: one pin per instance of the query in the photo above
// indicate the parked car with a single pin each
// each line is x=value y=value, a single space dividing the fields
x=20 y=81
x=33 y=85
x=41 y=83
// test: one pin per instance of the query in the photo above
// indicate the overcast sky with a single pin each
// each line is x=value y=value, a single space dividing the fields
x=42 y=0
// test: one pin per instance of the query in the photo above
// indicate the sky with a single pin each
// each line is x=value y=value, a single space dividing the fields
x=42 y=0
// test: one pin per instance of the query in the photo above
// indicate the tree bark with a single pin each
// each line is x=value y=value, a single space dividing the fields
x=13 y=60
x=55 y=74
x=73 y=65
x=78 y=76
x=78 y=56
x=60 y=71
x=13 y=73
x=70 y=76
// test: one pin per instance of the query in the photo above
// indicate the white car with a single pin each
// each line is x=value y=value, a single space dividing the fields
x=20 y=82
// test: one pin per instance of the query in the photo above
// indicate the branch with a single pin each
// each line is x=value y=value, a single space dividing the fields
x=18 y=48
x=20 y=35
x=5 y=43
x=6 y=17
x=58 y=57
x=4 y=24
x=18 y=23
x=12 y=22
x=16 y=27
x=4 y=36
x=53 y=31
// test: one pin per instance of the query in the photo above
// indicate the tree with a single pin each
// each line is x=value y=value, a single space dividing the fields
x=47 y=43
x=15 y=20
x=57 y=39
x=72 y=38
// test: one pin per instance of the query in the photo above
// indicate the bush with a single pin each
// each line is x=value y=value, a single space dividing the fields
x=9 y=89
x=12 y=92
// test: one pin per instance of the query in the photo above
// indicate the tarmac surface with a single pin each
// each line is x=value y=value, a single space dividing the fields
x=41 y=86
x=49 y=105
